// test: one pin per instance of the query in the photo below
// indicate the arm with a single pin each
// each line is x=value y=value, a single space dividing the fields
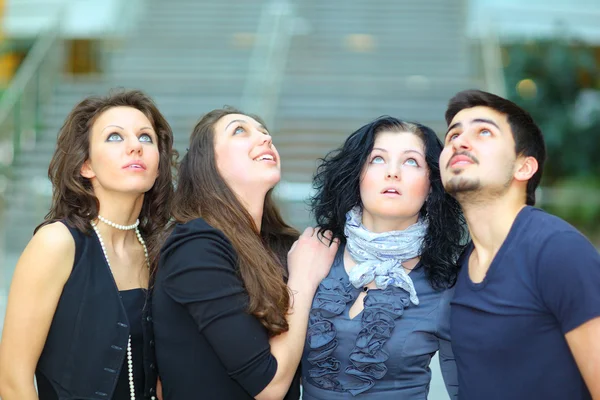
x=309 y=262
x=202 y=277
x=159 y=395
x=287 y=347
x=448 y=368
x=569 y=283
x=37 y=284
x=446 y=355
x=585 y=346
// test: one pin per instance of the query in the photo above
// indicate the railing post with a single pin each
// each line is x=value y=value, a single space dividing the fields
x=491 y=54
x=17 y=127
x=268 y=60
x=38 y=105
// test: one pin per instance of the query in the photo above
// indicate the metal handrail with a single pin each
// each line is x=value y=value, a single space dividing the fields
x=20 y=104
x=268 y=60
x=491 y=56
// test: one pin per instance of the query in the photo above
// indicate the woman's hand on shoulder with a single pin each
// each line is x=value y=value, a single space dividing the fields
x=311 y=256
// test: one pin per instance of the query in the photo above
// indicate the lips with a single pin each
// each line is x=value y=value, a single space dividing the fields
x=268 y=156
x=391 y=191
x=136 y=165
x=461 y=159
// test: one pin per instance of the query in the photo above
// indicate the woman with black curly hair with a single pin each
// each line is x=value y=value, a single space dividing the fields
x=383 y=311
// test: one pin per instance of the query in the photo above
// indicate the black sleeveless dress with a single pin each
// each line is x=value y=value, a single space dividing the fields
x=89 y=257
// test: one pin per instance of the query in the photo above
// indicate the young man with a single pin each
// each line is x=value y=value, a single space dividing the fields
x=525 y=319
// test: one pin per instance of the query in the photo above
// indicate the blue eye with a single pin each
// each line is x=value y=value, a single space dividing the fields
x=485 y=132
x=145 y=138
x=114 y=137
x=238 y=130
x=412 y=162
x=377 y=160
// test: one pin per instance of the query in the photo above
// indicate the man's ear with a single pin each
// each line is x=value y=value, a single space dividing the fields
x=527 y=167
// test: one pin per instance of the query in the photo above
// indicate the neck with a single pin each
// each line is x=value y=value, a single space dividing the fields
x=122 y=210
x=490 y=222
x=254 y=202
x=380 y=225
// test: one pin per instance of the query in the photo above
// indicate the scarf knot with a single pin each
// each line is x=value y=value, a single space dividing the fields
x=379 y=256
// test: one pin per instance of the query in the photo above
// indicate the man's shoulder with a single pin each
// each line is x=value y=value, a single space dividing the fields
x=542 y=227
x=549 y=240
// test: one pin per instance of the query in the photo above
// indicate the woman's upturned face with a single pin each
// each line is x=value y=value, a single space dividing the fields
x=395 y=181
x=245 y=155
x=124 y=154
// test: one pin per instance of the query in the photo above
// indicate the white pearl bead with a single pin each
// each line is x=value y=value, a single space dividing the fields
x=143 y=243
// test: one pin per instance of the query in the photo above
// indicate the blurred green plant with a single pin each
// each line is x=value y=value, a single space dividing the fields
x=558 y=82
x=578 y=202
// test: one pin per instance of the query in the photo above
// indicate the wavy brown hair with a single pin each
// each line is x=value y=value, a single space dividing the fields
x=262 y=256
x=73 y=198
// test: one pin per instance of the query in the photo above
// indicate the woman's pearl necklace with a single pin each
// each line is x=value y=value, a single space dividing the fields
x=121 y=227
x=141 y=240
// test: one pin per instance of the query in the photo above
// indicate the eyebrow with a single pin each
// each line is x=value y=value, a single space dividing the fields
x=120 y=127
x=245 y=122
x=113 y=126
x=479 y=120
x=405 y=151
x=414 y=151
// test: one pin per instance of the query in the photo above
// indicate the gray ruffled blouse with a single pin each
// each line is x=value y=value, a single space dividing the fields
x=382 y=353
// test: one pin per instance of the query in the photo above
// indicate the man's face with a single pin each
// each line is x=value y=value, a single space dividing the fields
x=479 y=156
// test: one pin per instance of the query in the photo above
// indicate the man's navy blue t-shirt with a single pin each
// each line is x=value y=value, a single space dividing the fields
x=508 y=332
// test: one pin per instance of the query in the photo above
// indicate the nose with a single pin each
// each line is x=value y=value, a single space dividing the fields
x=134 y=146
x=265 y=138
x=461 y=142
x=393 y=172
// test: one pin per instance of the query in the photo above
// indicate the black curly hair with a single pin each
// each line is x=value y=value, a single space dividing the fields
x=337 y=185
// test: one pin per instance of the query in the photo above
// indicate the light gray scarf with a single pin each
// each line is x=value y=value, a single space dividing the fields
x=379 y=256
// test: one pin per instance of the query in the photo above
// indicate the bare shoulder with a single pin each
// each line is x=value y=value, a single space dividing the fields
x=53 y=235
x=50 y=251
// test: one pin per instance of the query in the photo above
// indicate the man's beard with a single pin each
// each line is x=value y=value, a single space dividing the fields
x=458 y=185
x=470 y=191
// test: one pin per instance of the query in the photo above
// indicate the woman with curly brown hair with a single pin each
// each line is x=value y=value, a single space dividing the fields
x=74 y=316
x=226 y=324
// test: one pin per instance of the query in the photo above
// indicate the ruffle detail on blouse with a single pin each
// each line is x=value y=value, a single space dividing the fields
x=330 y=300
x=367 y=360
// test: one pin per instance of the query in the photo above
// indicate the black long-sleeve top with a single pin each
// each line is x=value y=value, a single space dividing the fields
x=207 y=345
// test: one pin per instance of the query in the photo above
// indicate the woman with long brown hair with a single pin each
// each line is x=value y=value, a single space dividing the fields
x=74 y=316
x=226 y=324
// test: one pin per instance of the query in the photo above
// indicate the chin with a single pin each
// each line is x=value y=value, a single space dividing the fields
x=273 y=179
x=136 y=188
x=395 y=212
x=400 y=215
x=459 y=184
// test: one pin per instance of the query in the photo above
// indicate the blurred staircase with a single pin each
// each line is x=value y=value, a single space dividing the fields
x=348 y=62
x=359 y=60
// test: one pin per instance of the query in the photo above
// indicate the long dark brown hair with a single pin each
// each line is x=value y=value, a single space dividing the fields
x=73 y=198
x=262 y=256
